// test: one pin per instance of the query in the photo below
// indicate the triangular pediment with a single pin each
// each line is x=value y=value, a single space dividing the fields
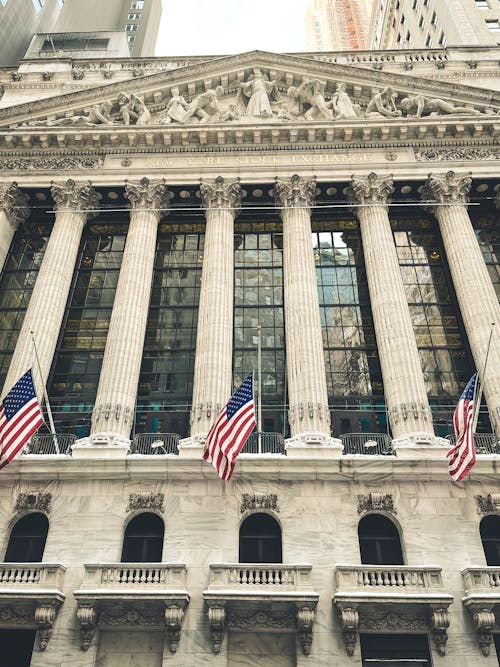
x=254 y=87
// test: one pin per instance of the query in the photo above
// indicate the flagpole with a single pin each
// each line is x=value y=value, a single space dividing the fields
x=45 y=395
x=477 y=400
x=259 y=388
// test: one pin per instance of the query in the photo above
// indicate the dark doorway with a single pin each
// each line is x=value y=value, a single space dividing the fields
x=143 y=540
x=17 y=647
x=395 y=651
x=260 y=539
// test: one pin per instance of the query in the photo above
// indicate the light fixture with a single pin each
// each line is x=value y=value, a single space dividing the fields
x=369 y=444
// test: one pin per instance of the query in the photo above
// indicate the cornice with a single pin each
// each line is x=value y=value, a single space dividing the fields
x=220 y=67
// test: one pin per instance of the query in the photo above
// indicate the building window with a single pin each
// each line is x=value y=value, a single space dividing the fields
x=260 y=539
x=415 y=5
x=60 y=3
x=131 y=27
x=131 y=39
x=428 y=42
x=395 y=650
x=134 y=17
x=3 y=2
x=482 y=4
x=38 y=4
x=27 y=539
x=490 y=537
x=443 y=40
x=17 y=645
x=493 y=25
x=434 y=19
x=421 y=23
x=138 y=4
x=143 y=540
x=426 y=3
x=379 y=541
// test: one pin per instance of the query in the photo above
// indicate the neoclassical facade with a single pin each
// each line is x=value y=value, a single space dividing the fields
x=158 y=219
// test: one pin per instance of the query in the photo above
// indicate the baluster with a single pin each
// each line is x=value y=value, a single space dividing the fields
x=378 y=579
x=399 y=579
x=405 y=578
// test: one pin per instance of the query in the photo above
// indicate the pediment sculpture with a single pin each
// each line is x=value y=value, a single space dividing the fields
x=260 y=99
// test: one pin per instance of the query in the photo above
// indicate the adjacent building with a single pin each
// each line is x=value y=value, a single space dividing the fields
x=337 y=25
x=414 y=24
x=156 y=218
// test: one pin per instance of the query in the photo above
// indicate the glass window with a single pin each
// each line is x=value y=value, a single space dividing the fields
x=490 y=537
x=482 y=4
x=493 y=25
x=395 y=650
x=131 y=27
x=143 y=540
x=260 y=539
x=379 y=541
x=27 y=539
x=138 y=4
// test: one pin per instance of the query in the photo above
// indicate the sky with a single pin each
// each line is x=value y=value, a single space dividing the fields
x=224 y=27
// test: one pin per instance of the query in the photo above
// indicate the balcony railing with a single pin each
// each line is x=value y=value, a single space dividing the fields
x=481 y=581
x=485 y=443
x=127 y=577
x=154 y=444
x=402 y=579
x=31 y=575
x=257 y=576
x=270 y=443
x=46 y=444
x=367 y=443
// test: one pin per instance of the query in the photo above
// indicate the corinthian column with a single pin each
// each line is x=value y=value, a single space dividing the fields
x=113 y=412
x=404 y=387
x=309 y=415
x=214 y=340
x=13 y=210
x=74 y=204
x=473 y=286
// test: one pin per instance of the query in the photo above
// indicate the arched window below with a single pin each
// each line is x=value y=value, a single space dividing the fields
x=260 y=539
x=27 y=539
x=143 y=539
x=379 y=541
x=490 y=537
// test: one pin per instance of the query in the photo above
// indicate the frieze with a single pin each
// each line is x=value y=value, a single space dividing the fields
x=261 y=619
x=435 y=155
x=34 y=501
x=18 y=616
x=391 y=622
x=52 y=163
x=251 y=502
x=131 y=617
x=146 y=500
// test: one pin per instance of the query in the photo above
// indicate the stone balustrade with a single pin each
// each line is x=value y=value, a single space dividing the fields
x=402 y=579
x=482 y=601
x=260 y=577
x=481 y=580
x=139 y=577
x=39 y=576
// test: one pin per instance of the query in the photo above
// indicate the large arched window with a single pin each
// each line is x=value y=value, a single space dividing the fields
x=260 y=539
x=27 y=539
x=490 y=537
x=143 y=540
x=379 y=541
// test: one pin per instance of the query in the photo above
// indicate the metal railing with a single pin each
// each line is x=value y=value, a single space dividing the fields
x=154 y=444
x=485 y=443
x=367 y=443
x=44 y=444
x=271 y=443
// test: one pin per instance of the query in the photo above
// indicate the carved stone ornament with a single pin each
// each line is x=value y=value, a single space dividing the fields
x=350 y=626
x=449 y=154
x=72 y=196
x=448 y=189
x=69 y=163
x=146 y=500
x=484 y=624
x=489 y=503
x=146 y=194
x=20 y=616
x=34 y=501
x=261 y=619
x=45 y=615
x=370 y=190
x=220 y=194
x=376 y=501
x=15 y=203
x=113 y=618
x=440 y=622
x=173 y=620
x=251 y=502
x=217 y=625
x=392 y=622
x=305 y=621
x=87 y=617
x=296 y=192
x=77 y=73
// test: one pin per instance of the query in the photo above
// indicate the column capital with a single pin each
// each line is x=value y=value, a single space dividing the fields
x=296 y=193
x=450 y=188
x=371 y=189
x=147 y=194
x=221 y=194
x=77 y=197
x=15 y=203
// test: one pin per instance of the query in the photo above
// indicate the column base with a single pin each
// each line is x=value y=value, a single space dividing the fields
x=420 y=446
x=192 y=447
x=101 y=446
x=313 y=445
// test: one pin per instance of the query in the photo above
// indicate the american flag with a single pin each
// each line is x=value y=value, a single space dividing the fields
x=463 y=455
x=20 y=417
x=232 y=427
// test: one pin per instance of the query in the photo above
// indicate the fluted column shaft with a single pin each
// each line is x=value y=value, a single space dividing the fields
x=13 y=210
x=73 y=204
x=117 y=391
x=473 y=286
x=214 y=341
x=307 y=390
x=404 y=386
